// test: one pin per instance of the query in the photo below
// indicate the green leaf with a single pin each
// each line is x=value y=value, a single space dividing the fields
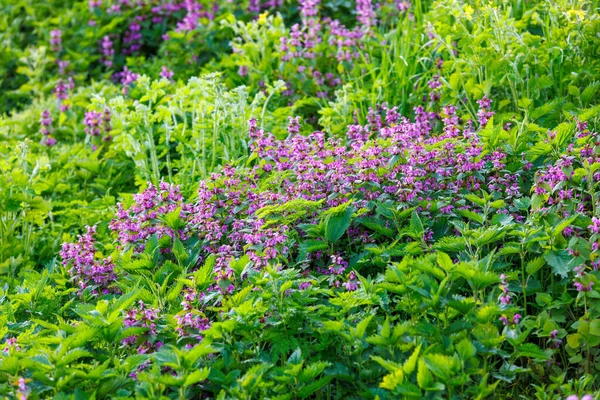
x=563 y=225
x=72 y=356
x=410 y=364
x=296 y=357
x=180 y=252
x=444 y=261
x=391 y=381
x=336 y=225
x=595 y=327
x=376 y=225
x=424 y=377
x=310 y=245
x=532 y=351
x=416 y=226
x=441 y=365
x=534 y=265
x=559 y=261
x=308 y=390
x=197 y=376
x=466 y=349
x=451 y=243
x=471 y=215
x=361 y=328
x=391 y=366
x=204 y=275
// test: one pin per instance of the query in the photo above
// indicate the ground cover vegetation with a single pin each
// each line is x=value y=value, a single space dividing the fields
x=292 y=199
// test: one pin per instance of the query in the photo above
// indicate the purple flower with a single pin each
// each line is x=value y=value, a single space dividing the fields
x=166 y=73
x=106 y=50
x=294 y=125
x=366 y=13
x=583 y=288
x=85 y=270
x=484 y=113
x=595 y=226
x=92 y=122
x=62 y=66
x=516 y=318
x=56 y=40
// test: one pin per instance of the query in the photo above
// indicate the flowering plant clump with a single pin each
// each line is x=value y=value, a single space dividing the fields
x=299 y=199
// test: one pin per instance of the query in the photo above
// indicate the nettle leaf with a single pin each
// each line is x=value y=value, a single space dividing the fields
x=559 y=261
x=295 y=357
x=180 y=252
x=308 y=390
x=502 y=219
x=416 y=226
x=393 y=380
x=466 y=349
x=410 y=364
x=376 y=225
x=240 y=265
x=451 y=243
x=197 y=376
x=71 y=356
x=387 y=364
x=424 y=376
x=564 y=224
x=532 y=351
x=471 y=215
x=444 y=261
x=441 y=365
x=337 y=224
x=534 y=265
x=204 y=275
x=312 y=370
x=361 y=329
x=489 y=235
x=309 y=246
x=173 y=219
x=476 y=199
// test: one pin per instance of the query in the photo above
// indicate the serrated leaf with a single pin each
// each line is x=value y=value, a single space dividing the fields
x=416 y=226
x=466 y=349
x=309 y=390
x=336 y=225
x=197 y=376
x=441 y=365
x=532 y=351
x=411 y=363
x=391 y=381
x=424 y=376
x=534 y=265
x=559 y=261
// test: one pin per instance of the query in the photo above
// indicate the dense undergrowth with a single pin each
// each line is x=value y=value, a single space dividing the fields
x=299 y=199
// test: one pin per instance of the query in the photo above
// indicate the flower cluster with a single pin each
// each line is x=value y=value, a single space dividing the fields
x=46 y=121
x=142 y=220
x=11 y=344
x=125 y=78
x=389 y=158
x=191 y=321
x=145 y=317
x=505 y=296
x=106 y=50
x=85 y=269
x=195 y=11
x=56 y=40
x=96 y=122
x=22 y=389
x=132 y=41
